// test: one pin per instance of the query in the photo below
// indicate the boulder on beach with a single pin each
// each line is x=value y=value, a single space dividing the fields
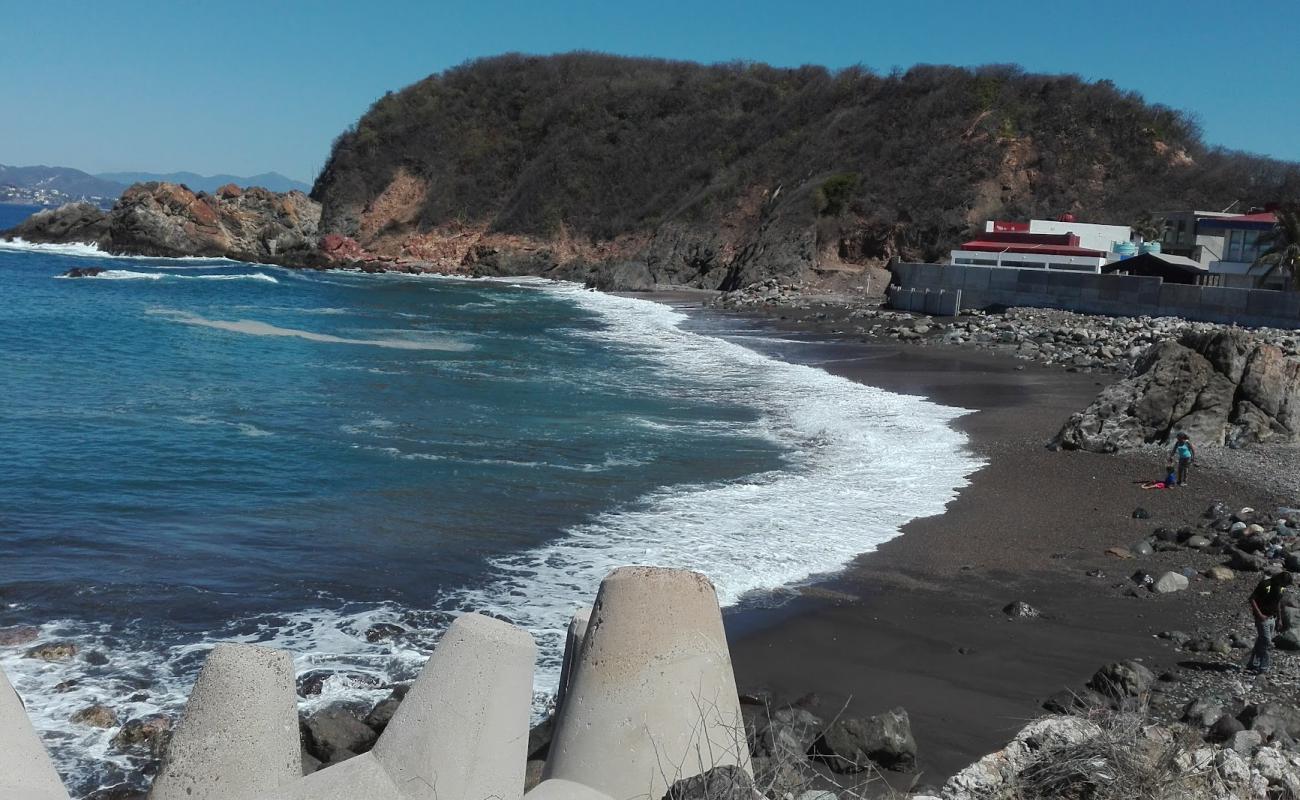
x=720 y=783
x=1170 y=582
x=1219 y=387
x=1123 y=680
x=852 y=744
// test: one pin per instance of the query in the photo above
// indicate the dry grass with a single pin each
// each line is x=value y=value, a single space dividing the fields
x=1129 y=759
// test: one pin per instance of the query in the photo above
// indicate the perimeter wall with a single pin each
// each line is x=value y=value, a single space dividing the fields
x=1088 y=293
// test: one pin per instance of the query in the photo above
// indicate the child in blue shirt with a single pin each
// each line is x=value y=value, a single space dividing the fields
x=1185 y=454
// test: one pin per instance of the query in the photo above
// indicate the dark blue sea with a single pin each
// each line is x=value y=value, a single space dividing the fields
x=194 y=451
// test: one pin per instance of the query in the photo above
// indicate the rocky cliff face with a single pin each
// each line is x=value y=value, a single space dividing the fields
x=168 y=220
x=1220 y=388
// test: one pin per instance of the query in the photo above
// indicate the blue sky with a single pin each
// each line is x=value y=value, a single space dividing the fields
x=247 y=87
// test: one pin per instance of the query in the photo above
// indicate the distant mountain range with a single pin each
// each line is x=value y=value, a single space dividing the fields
x=209 y=183
x=52 y=186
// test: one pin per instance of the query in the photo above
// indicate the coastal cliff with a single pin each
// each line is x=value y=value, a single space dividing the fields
x=169 y=220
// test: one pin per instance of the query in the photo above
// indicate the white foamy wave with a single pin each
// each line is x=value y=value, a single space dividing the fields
x=91 y=250
x=255 y=328
x=862 y=463
x=253 y=276
x=129 y=275
x=120 y=275
x=246 y=428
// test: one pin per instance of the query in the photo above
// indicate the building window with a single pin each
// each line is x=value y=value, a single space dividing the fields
x=1243 y=246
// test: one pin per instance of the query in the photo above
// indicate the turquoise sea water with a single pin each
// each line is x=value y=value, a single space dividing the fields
x=195 y=451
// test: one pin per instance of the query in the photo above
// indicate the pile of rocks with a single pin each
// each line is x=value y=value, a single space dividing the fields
x=792 y=748
x=764 y=293
x=1119 y=755
x=1083 y=341
x=1253 y=541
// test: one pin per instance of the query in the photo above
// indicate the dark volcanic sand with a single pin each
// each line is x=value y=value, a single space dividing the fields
x=918 y=623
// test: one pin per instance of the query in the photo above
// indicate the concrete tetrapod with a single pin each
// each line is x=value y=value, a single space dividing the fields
x=25 y=768
x=560 y=789
x=572 y=647
x=461 y=733
x=239 y=733
x=652 y=698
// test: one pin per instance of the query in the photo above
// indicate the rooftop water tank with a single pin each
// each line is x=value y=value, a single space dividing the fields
x=1151 y=247
x=1125 y=249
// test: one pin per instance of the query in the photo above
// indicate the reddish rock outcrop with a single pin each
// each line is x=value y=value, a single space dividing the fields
x=167 y=219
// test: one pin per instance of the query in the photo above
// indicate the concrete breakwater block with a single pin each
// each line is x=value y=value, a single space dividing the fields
x=651 y=697
x=239 y=733
x=559 y=789
x=574 y=638
x=461 y=733
x=25 y=768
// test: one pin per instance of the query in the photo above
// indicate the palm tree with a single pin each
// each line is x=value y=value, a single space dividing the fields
x=1150 y=227
x=1283 y=247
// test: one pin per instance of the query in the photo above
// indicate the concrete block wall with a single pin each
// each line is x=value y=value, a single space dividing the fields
x=1112 y=295
x=936 y=302
x=648 y=682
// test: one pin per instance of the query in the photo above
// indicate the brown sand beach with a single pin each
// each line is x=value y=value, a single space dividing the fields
x=919 y=623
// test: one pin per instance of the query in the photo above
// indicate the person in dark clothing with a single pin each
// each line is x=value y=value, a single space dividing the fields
x=1266 y=608
x=1185 y=454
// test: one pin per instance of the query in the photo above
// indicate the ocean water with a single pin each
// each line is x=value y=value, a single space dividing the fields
x=196 y=451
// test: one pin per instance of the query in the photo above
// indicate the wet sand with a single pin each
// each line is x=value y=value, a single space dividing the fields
x=918 y=623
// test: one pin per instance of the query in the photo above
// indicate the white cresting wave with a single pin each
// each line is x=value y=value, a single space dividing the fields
x=91 y=250
x=254 y=327
x=130 y=275
x=861 y=463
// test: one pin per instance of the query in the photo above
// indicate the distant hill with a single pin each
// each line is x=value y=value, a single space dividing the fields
x=209 y=183
x=720 y=175
x=43 y=185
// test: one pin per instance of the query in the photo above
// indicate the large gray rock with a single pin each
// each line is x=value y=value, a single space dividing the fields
x=851 y=745
x=1218 y=387
x=1123 y=680
x=337 y=733
x=727 y=782
x=786 y=732
x=1272 y=720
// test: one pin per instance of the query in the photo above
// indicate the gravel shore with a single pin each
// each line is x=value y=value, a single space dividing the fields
x=919 y=623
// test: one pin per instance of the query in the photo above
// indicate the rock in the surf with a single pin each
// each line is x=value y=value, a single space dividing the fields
x=18 y=634
x=149 y=733
x=96 y=716
x=52 y=651
x=337 y=733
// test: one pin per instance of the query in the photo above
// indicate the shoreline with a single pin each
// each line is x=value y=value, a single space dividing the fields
x=918 y=622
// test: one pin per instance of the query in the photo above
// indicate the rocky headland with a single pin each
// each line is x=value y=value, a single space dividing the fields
x=168 y=220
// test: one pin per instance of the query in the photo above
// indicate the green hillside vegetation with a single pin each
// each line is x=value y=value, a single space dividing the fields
x=900 y=163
